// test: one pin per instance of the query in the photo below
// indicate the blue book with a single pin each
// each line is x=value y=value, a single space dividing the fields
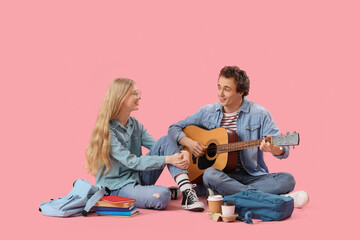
x=117 y=213
x=114 y=209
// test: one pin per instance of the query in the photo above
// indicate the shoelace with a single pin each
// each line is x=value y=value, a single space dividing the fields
x=192 y=196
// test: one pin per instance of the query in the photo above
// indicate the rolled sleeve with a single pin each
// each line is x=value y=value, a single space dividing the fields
x=270 y=128
x=285 y=154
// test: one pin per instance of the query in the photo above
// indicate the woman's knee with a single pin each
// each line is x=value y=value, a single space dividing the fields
x=162 y=139
x=160 y=198
x=164 y=146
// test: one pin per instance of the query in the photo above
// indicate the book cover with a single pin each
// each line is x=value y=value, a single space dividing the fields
x=130 y=213
x=106 y=215
x=121 y=205
x=119 y=209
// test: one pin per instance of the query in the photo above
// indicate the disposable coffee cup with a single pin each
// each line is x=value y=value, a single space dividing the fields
x=215 y=202
x=228 y=208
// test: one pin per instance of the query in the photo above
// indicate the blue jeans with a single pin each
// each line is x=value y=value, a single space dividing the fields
x=147 y=194
x=238 y=181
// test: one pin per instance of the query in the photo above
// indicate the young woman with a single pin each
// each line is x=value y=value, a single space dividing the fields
x=114 y=156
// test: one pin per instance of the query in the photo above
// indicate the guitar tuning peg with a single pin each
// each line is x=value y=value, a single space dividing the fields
x=294 y=147
x=287 y=132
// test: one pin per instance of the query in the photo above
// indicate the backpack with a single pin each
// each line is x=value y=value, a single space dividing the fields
x=78 y=202
x=260 y=205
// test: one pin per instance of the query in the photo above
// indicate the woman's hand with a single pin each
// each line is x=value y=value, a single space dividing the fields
x=186 y=157
x=180 y=160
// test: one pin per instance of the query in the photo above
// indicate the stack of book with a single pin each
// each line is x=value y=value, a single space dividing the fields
x=116 y=206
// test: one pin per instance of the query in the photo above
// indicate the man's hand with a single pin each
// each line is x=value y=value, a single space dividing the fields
x=196 y=148
x=268 y=147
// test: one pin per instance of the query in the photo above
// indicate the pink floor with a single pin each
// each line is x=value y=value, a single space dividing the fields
x=175 y=223
x=57 y=58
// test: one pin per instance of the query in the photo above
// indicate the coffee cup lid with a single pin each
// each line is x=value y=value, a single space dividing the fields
x=215 y=198
x=228 y=203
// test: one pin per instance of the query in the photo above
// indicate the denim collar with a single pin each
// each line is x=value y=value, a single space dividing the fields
x=115 y=123
x=245 y=106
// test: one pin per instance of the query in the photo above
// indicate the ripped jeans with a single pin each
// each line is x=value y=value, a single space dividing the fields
x=147 y=194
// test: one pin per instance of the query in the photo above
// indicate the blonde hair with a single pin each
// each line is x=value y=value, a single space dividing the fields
x=98 y=148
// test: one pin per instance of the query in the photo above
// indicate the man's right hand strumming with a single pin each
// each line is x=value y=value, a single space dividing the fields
x=195 y=147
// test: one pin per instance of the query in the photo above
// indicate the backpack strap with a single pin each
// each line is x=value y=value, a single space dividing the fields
x=248 y=217
x=93 y=200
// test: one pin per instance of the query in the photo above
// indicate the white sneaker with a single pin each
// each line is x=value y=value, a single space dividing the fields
x=301 y=198
x=210 y=192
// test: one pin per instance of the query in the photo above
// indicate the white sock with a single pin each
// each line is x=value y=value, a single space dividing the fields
x=183 y=182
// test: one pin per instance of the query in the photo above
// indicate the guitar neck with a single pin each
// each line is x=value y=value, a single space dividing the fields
x=237 y=146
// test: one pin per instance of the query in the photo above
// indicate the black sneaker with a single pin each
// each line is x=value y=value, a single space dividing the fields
x=191 y=202
x=175 y=192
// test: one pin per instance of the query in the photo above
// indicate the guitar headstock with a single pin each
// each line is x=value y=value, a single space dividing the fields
x=290 y=139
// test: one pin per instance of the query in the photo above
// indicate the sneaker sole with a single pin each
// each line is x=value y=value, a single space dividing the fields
x=194 y=209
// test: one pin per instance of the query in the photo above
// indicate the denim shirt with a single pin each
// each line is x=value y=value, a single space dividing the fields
x=125 y=155
x=254 y=122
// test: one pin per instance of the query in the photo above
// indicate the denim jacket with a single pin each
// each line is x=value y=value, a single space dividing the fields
x=254 y=122
x=125 y=155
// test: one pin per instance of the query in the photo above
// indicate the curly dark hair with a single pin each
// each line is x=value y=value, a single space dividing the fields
x=241 y=79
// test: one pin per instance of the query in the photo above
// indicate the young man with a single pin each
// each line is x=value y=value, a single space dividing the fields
x=250 y=121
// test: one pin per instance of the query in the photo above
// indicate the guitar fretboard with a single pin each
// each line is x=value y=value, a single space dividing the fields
x=237 y=146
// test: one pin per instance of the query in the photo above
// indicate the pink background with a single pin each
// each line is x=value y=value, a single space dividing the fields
x=58 y=59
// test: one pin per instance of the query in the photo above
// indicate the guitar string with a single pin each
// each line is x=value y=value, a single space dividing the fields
x=236 y=145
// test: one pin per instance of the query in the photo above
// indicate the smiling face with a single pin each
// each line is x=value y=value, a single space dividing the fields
x=131 y=103
x=229 y=98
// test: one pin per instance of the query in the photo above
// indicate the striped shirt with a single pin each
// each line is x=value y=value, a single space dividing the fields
x=229 y=121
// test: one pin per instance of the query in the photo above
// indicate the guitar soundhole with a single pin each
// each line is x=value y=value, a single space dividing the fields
x=211 y=150
x=204 y=161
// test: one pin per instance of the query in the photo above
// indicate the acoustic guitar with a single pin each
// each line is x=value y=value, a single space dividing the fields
x=222 y=149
